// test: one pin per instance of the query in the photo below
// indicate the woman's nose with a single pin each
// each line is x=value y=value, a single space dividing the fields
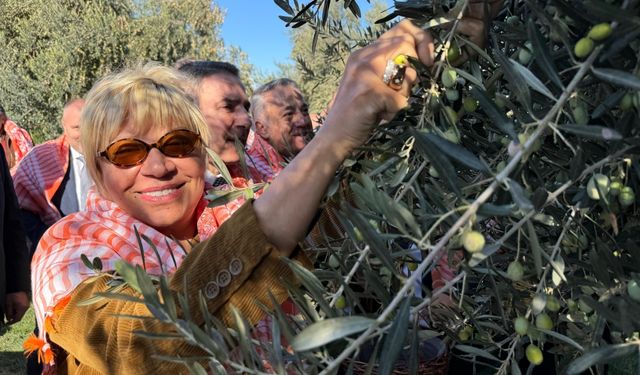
x=157 y=164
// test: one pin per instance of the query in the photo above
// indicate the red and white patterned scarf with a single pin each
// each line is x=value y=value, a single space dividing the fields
x=39 y=176
x=263 y=157
x=210 y=223
x=21 y=142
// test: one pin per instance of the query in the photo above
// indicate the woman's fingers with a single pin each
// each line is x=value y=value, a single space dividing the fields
x=421 y=41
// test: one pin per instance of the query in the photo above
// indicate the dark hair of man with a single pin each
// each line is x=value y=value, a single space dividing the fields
x=2 y=112
x=199 y=69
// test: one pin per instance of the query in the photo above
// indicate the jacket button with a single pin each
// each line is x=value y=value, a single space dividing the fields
x=224 y=278
x=211 y=290
x=235 y=266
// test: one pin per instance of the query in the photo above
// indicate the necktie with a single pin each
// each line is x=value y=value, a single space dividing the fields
x=85 y=183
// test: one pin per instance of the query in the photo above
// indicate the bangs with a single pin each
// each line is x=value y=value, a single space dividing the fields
x=151 y=106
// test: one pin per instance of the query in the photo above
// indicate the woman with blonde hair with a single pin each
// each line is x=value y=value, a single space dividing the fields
x=143 y=138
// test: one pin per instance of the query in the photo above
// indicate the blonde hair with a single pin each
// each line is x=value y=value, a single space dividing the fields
x=146 y=96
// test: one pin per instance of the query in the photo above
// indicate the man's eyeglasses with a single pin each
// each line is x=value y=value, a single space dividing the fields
x=130 y=152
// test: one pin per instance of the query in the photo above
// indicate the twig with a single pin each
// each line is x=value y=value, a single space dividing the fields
x=355 y=267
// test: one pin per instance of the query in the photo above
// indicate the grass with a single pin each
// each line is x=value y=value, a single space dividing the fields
x=11 y=338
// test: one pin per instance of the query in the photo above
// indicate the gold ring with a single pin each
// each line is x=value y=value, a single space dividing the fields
x=394 y=72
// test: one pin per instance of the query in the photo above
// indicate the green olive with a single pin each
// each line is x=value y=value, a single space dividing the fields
x=473 y=241
x=453 y=53
x=627 y=197
x=534 y=354
x=602 y=183
x=521 y=325
x=465 y=333
x=615 y=187
x=525 y=53
x=411 y=266
x=633 y=288
x=600 y=31
x=333 y=262
x=515 y=271
x=626 y=102
x=433 y=172
x=470 y=104
x=341 y=303
x=543 y=321
x=512 y=20
x=449 y=77
x=553 y=304
x=580 y=114
x=452 y=95
x=583 y=47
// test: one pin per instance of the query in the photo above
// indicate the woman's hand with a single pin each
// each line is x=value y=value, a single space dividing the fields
x=475 y=24
x=363 y=99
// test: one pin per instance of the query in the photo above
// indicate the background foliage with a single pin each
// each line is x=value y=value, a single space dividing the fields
x=54 y=51
x=319 y=66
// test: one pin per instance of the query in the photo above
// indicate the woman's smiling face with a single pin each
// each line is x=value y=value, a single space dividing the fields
x=163 y=192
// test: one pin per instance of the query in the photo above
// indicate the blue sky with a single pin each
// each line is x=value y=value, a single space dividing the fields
x=254 y=26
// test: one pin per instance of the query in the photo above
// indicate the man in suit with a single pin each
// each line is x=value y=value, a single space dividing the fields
x=51 y=181
x=14 y=256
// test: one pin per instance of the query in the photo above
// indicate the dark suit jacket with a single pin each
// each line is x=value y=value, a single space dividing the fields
x=14 y=257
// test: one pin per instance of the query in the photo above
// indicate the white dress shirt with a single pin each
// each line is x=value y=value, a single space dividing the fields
x=81 y=178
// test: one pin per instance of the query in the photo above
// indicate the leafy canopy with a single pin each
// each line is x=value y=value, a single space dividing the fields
x=55 y=51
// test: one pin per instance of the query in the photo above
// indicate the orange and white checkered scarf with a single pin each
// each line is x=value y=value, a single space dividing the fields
x=39 y=176
x=105 y=231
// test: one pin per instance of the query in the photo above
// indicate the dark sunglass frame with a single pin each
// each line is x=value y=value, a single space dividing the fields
x=110 y=156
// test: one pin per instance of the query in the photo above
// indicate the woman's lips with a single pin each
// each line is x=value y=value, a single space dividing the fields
x=161 y=194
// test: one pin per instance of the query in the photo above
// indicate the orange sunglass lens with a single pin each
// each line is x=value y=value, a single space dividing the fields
x=178 y=143
x=127 y=152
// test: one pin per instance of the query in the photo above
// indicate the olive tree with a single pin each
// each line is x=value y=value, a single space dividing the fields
x=55 y=51
x=520 y=165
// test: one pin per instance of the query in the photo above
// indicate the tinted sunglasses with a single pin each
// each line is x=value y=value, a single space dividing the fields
x=130 y=152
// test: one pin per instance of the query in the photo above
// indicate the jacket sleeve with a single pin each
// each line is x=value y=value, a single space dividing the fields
x=15 y=247
x=34 y=227
x=237 y=266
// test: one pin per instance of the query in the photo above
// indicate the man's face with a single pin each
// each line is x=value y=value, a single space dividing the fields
x=284 y=121
x=71 y=124
x=225 y=107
